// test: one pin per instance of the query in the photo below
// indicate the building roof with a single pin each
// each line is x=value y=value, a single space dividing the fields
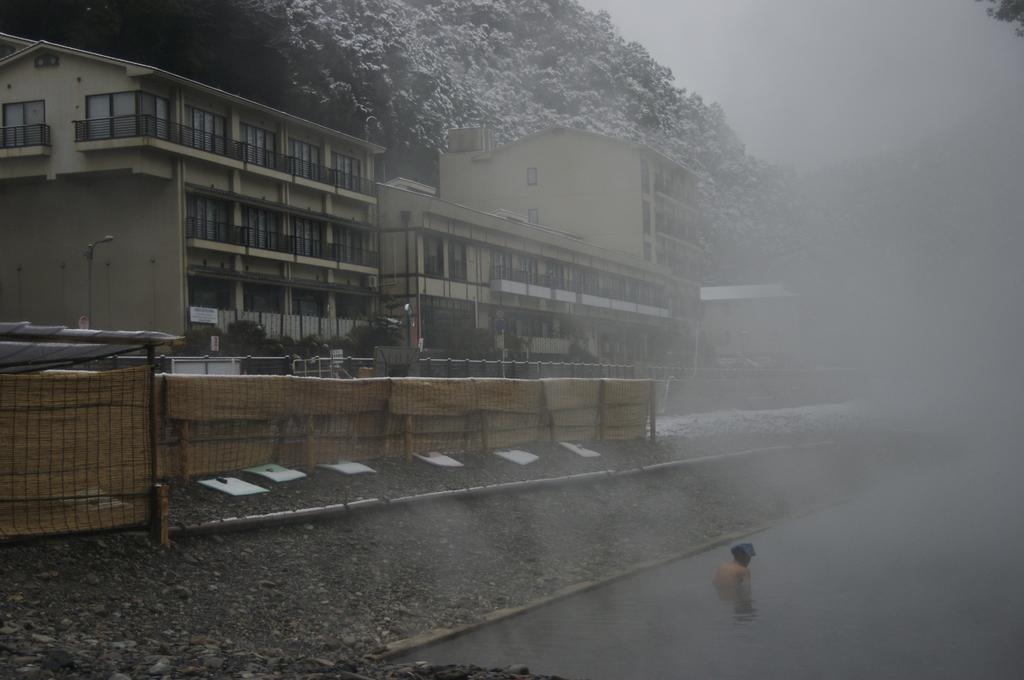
x=752 y=292
x=555 y=129
x=137 y=70
x=20 y=42
x=27 y=347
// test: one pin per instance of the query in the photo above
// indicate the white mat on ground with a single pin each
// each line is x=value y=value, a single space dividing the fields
x=276 y=473
x=347 y=468
x=439 y=459
x=579 y=450
x=232 y=486
x=517 y=456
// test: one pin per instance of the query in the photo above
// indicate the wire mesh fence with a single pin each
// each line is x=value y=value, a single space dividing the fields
x=75 y=451
x=213 y=424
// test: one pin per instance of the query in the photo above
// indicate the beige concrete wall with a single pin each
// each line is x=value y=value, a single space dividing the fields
x=137 y=279
x=586 y=185
x=64 y=89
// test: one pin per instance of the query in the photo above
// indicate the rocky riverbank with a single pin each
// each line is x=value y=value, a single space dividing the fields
x=319 y=600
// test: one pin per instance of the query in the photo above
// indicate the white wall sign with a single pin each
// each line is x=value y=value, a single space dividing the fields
x=202 y=314
x=214 y=343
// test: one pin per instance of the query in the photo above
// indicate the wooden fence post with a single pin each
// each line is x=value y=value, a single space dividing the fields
x=160 y=517
x=653 y=405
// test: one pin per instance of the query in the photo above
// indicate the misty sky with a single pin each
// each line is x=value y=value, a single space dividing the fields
x=811 y=82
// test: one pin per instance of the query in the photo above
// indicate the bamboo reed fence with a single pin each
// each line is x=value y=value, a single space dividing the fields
x=74 y=451
x=213 y=424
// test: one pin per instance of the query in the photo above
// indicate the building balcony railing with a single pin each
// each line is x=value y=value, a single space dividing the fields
x=150 y=126
x=37 y=134
x=339 y=252
x=253 y=237
x=584 y=287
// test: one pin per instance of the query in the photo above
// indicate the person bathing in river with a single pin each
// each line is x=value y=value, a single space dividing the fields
x=732 y=577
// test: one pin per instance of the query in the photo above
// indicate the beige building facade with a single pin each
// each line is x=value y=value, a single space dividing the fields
x=214 y=202
x=536 y=290
x=613 y=193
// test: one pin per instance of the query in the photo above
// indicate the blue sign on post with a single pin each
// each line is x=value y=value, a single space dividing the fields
x=499 y=325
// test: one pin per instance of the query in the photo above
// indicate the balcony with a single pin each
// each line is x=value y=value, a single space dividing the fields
x=589 y=293
x=121 y=127
x=25 y=140
x=261 y=239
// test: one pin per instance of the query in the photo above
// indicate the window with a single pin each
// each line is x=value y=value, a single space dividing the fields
x=261 y=229
x=528 y=267
x=204 y=292
x=260 y=146
x=533 y=216
x=647 y=252
x=556 y=275
x=501 y=264
x=531 y=176
x=348 y=171
x=23 y=124
x=645 y=177
x=207 y=130
x=47 y=59
x=261 y=298
x=457 y=260
x=206 y=218
x=433 y=256
x=351 y=245
x=647 y=217
x=308 y=302
x=127 y=114
x=305 y=159
x=309 y=237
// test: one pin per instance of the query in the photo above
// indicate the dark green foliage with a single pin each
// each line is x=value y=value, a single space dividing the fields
x=362 y=340
x=1011 y=11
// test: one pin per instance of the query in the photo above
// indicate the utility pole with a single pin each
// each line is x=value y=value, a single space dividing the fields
x=88 y=258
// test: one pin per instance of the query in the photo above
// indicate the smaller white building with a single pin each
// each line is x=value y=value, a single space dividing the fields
x=753 y=325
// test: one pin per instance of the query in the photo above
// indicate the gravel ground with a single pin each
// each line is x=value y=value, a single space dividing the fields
x=192 y=504
x=316 y=600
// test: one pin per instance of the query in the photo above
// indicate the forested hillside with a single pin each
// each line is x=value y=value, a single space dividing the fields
x=402 y=73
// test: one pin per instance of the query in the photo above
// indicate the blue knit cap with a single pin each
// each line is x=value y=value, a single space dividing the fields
x=745 y=548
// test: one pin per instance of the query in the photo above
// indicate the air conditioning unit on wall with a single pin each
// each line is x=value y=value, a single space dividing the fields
x=372 y=282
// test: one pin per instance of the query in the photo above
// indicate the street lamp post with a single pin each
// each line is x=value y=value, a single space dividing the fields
x=88 y=258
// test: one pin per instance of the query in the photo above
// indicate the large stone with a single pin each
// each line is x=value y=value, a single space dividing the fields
x=56 y=659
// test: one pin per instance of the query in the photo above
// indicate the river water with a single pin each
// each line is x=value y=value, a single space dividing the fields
x=917 y=578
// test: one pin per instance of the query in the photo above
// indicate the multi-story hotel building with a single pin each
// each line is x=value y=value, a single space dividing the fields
x=613 y=193
x=213 y=202
x=461 y=268
x=563 y=236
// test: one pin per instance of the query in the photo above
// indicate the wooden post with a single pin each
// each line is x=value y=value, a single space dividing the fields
x=408 y=439
x=307 y=443
x=653 y=399
x=601 y=416
x=154 y=461
x=159 y=517
x=183 y=448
